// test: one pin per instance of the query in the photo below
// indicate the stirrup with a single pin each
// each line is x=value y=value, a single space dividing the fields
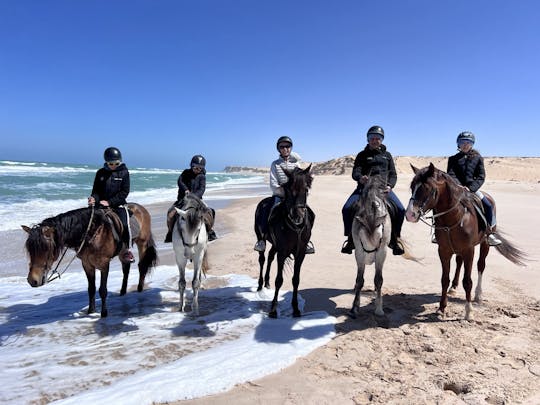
x=493 y=240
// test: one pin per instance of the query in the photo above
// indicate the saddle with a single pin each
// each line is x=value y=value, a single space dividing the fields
x=118 y=228
x=481 y=216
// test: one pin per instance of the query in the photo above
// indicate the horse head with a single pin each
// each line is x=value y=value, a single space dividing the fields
x=426 y=188
x=191 y=224
x=43 y=250
x=371 y=209
x=296 y=191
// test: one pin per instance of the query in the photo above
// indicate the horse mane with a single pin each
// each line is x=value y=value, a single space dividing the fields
x=194 y=208
x=366 y=207
x=68 y=230
x=431 y=172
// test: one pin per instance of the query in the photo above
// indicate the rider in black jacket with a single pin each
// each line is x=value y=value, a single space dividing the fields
x=192 y=180
x=467 y=168
x=110 y=189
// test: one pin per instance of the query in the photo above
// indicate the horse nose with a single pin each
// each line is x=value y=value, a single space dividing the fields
x=32 y=282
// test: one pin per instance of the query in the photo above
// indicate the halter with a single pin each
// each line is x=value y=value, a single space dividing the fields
x=380 y=240
x=55 y=274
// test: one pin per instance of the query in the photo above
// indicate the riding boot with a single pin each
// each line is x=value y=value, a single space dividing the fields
x=348 y=246
x=396 y=246
x=171 y=219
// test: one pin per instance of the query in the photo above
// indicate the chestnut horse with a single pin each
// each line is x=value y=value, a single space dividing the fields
x=457 y=228
x=289 y=231
x=92 y=234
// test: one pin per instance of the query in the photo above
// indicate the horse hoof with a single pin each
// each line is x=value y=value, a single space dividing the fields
x=452 y=291
x=272 y=314
x=297 y=314
x=104 y=314
x=379 y=313
x=352 y=314
x=122 y=292
x=140 y=288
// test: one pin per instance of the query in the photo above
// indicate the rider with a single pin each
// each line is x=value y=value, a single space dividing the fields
x=467 y=168
x=192 y=180
x=373 y=161
x=110 y=190
x=288 y=160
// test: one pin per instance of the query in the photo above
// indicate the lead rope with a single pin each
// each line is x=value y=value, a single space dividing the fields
x=55 y=274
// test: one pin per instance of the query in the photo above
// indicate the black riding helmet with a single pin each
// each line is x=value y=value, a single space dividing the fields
x=198 y=161
x=375 y=129
x=112 y=154
x=466 y=136
x=283 y=139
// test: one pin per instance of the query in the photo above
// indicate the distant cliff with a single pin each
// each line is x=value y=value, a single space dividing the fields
x=525 y=169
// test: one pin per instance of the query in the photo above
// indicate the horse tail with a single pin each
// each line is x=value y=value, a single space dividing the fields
x=150 y=257
x=205 y=266
x=511 y=252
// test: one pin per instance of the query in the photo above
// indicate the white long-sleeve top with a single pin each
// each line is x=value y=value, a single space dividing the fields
x=277 y=172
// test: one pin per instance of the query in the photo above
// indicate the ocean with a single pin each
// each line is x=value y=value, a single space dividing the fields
x=33 y=191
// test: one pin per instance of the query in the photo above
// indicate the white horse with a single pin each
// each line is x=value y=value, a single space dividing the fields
x=371 y=233
x=190 y=241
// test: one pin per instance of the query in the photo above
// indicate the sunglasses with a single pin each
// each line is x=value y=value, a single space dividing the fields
x=114 y=163
x=284 y=146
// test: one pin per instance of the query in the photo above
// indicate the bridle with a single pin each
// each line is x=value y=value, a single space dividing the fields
x=184 y=243
x=55 y=273
x=383 y=220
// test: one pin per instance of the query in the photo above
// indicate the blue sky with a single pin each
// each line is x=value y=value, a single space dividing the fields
x=163 y=80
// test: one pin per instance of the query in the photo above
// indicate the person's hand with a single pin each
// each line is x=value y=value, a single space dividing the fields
x=364 y=179
x=104 y=203
x=387 y=189
x=91 y=201
x=187 y=192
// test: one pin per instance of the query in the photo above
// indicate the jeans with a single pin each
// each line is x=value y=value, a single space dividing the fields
x=348 y=212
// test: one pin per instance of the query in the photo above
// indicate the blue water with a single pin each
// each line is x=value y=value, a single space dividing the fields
x=33 y=191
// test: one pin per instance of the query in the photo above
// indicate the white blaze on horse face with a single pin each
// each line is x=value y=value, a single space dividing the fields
x=412 y=214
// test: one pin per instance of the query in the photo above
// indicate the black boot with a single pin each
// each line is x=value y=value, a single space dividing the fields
x=348 y=246
x=211 y=235
x=396 y=246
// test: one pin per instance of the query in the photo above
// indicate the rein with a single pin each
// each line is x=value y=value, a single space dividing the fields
x=55 y=274
x=378 y=246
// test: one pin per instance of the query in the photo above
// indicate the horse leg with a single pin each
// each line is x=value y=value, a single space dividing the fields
x=103 y=291
x=261 y=266
x=91 y=277
x=445 y=279
x=196 y=282
x=271 y=255
x=360 y=263
x=279 y=282
x=379 y=262
x=181 y=281
x=296 y=282
x=484 y=250
x=467 y=281
x=455 y=280
x=125 y=270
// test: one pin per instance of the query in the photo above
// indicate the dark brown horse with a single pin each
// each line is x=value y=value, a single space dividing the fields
x=457 y=228
x=289 y=231
x=91 y=233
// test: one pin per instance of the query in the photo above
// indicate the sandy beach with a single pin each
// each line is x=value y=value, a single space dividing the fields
x=409 y=356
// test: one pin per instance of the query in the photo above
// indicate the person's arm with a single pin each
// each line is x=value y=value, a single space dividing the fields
x=199 y=186
x=274 y=181
x=450 y=169
x=392 y=174
x=94 y=195
x=357 y=168
x=120 y=197
x=479 y=175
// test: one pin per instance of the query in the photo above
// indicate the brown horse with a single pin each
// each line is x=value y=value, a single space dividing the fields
x=457 y=228
x=91 y=232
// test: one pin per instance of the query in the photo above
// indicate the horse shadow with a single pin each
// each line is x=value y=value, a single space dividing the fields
x=69 y=306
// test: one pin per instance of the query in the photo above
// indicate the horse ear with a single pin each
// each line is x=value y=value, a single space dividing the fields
x=26 y=228
x=47 y=231
x=431 y=169
x=308 y=169
x=414 y=169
